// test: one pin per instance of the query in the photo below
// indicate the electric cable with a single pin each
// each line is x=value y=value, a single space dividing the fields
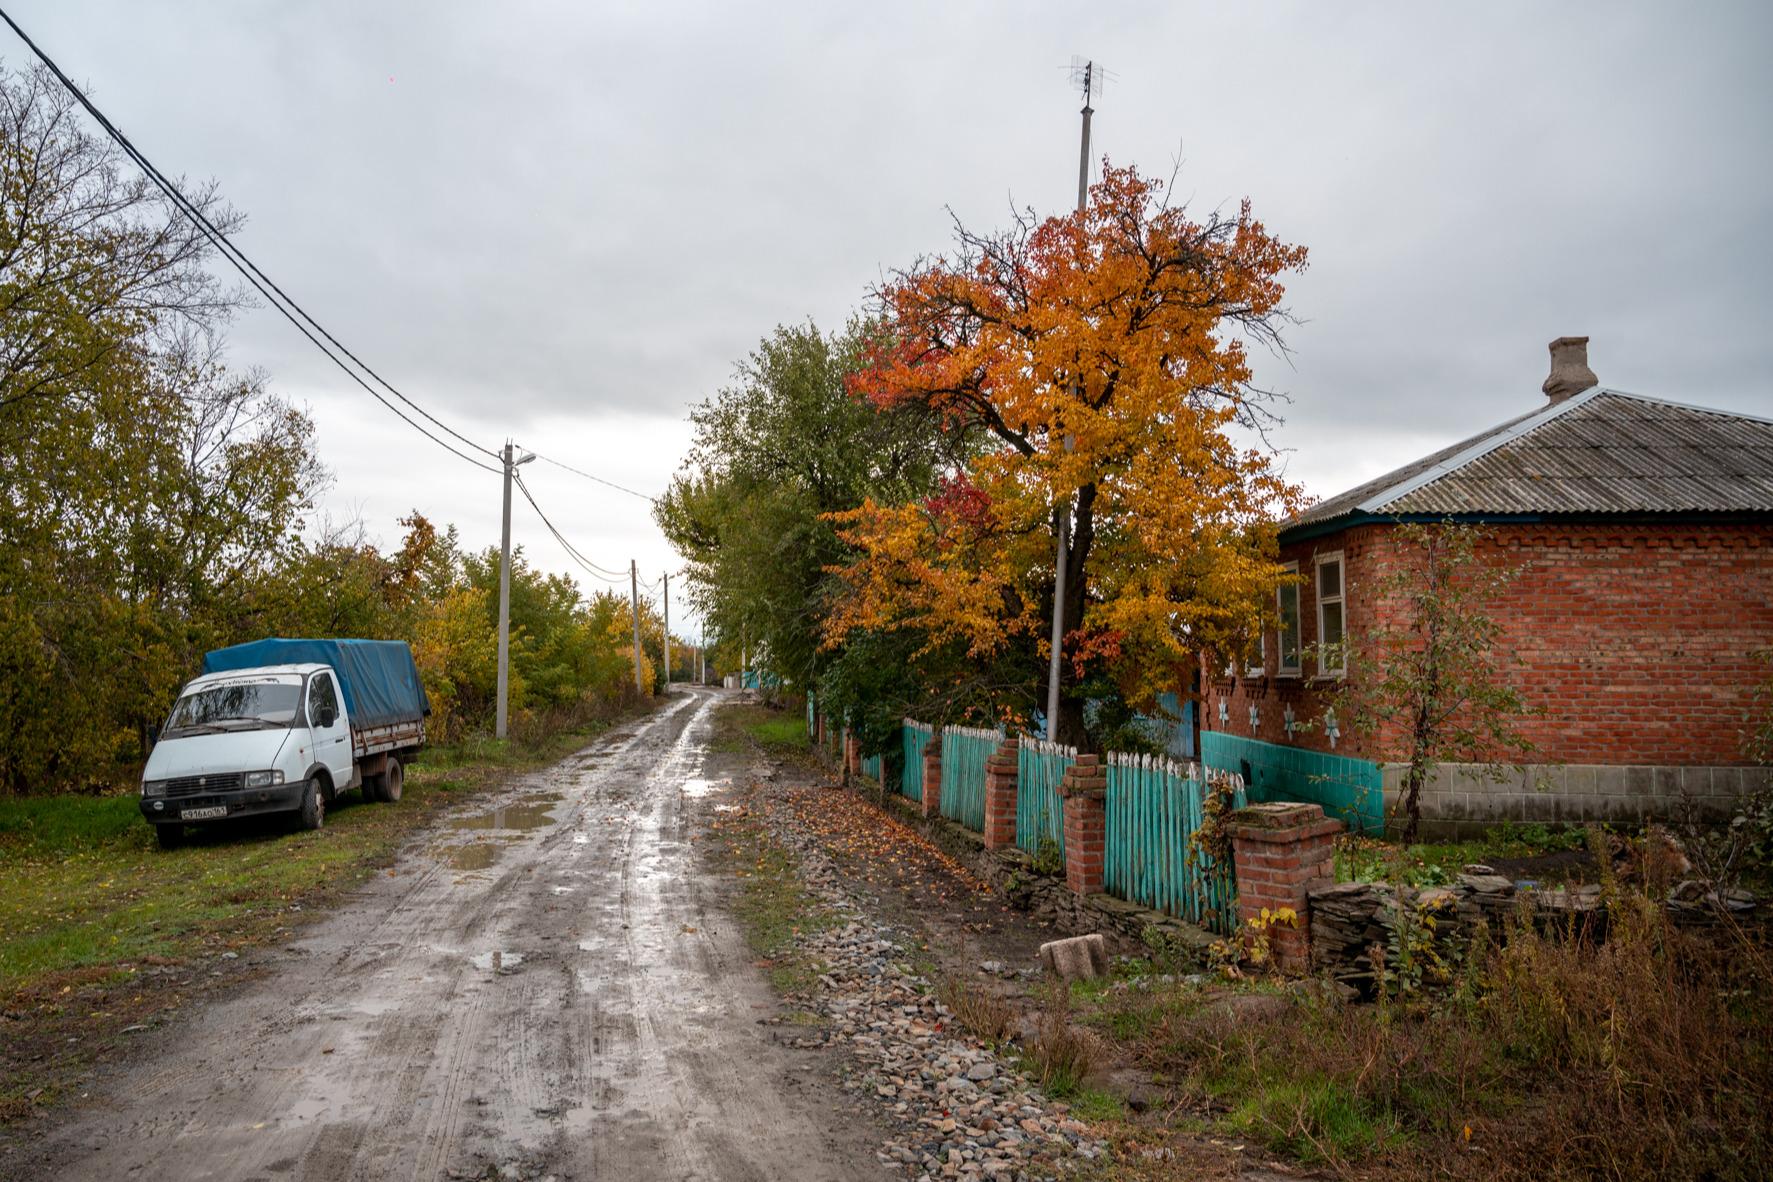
x=250 y=271
x=571 y=550
x=598 y=479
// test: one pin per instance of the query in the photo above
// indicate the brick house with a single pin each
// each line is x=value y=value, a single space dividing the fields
x=1641 y=534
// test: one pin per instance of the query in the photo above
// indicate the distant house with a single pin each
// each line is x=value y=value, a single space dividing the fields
x=1642 y=534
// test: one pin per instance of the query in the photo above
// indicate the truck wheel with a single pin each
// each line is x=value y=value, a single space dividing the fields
x=313 y=811
x=170 y=837
x=372 y=788
x=393 y=780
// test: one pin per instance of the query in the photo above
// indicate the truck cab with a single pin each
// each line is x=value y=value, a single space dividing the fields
x=280 y=738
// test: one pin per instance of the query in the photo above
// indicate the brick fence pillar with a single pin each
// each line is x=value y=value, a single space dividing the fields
x=931 y=805
x=1001 y=773
x=852 y=754
x=1279 y=850
x=819 y=729
x=1085 y=789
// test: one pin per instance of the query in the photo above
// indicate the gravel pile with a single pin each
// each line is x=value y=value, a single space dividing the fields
x=962 y=1110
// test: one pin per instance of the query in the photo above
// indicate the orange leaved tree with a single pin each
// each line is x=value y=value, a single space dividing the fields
x=1097 y=359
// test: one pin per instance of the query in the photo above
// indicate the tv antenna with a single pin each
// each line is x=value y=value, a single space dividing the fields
x=1090 y=77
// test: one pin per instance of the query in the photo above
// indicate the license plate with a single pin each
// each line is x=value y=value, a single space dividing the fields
x=220 y=810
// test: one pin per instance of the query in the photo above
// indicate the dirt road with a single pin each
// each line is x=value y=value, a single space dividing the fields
x=548 y=988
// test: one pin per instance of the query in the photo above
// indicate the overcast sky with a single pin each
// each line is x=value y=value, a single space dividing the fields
x=563 y=222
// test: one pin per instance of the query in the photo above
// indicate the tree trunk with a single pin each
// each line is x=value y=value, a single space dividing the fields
x=1083 y=535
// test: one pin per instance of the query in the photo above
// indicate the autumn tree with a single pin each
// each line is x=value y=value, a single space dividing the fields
x=1098 y=361
x=1431 y=676
x=776 y=451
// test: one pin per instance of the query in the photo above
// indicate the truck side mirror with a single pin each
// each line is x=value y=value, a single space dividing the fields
x=328 y=716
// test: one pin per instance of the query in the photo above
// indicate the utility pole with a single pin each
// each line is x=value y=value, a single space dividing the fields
x=667 y=601
x=634 y=603
x=1092 y=84
x=744 y=652
x=511 y=462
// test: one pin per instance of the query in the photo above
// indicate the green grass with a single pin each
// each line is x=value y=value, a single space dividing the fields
x=779 y=733
x=1317 y=1121
x=1094 y=1104
x=1362 y=859
x=87 y=886
x=773 y=907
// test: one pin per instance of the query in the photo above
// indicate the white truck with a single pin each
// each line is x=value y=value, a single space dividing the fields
x=284 y=726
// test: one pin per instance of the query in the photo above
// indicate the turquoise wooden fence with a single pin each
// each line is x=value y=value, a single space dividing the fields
x=914 y=736
x=872 y=766
x=1154 y=806
x=1040 y=814
x=964 y=752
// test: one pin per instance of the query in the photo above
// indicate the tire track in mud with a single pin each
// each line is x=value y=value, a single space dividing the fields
x=580 y=1008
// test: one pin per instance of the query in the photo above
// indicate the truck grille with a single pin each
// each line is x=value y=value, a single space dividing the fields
x=214 y=782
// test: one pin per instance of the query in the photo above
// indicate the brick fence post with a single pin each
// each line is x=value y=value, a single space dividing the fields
x=852 y=753
x=931 y=805
x=1002 y=771
x=1084 y=790
x=1279 y=849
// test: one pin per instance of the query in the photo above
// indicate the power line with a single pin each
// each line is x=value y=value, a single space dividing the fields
x=250 y=271
x=598 y=479
x=572 y=551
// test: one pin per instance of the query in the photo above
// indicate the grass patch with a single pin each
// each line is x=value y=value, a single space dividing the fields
x=1366 y=859
x=1061 y=1056
x=90 y=898
x=983 y=1012
x=1629 y=1049
x=1094 y=1104
x=773 y=908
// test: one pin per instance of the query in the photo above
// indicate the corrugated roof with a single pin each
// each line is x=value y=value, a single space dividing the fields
x=1601 y=451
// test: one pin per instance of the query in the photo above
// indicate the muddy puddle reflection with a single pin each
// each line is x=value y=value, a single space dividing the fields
x=531 y=812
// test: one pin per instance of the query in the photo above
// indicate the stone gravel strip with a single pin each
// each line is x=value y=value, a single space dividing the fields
x=963 y=1110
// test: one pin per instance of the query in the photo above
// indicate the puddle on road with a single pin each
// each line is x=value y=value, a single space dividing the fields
x=476 y=855
x=700 y=787
x=532 y=812
x=497 y=961
x=306 y=1109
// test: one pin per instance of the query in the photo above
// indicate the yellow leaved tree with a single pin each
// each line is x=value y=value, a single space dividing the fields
x=1097 y=361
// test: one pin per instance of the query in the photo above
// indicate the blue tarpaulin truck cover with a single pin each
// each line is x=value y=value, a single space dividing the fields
x=377 y=678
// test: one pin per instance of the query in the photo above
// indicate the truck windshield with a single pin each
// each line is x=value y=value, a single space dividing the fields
x=241 y=706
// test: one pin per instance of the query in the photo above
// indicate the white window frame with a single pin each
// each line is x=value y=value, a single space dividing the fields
x=1282 y=669
x=1320 y=600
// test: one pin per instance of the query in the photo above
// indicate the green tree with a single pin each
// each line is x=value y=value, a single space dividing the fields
x=774 y=452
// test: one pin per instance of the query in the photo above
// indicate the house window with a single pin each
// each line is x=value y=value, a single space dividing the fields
x=1287 y=638
x=1258 y=659
x=1331 y=660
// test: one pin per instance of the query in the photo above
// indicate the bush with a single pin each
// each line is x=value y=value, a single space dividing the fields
x=1615 y=1048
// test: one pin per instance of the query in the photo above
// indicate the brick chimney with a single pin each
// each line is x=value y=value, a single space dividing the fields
x=1569 y=369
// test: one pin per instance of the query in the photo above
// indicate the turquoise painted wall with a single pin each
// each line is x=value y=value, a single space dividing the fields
x=1350 y=790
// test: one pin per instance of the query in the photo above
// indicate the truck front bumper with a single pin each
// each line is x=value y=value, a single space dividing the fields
x=246 y=802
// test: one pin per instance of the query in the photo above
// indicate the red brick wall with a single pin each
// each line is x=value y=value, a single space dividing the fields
x=1636 y=641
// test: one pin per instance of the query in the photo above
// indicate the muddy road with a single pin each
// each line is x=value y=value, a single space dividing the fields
x=547 y=987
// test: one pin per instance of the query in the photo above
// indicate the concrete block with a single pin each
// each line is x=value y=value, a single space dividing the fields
x=1548 y=779
x=1579 y=779
x=1535 y=806
x=1640 y=783
x=1077 y=958
x=1668 y=784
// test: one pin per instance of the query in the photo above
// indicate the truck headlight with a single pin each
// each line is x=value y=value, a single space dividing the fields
x=263 y=779
x=153 y=787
